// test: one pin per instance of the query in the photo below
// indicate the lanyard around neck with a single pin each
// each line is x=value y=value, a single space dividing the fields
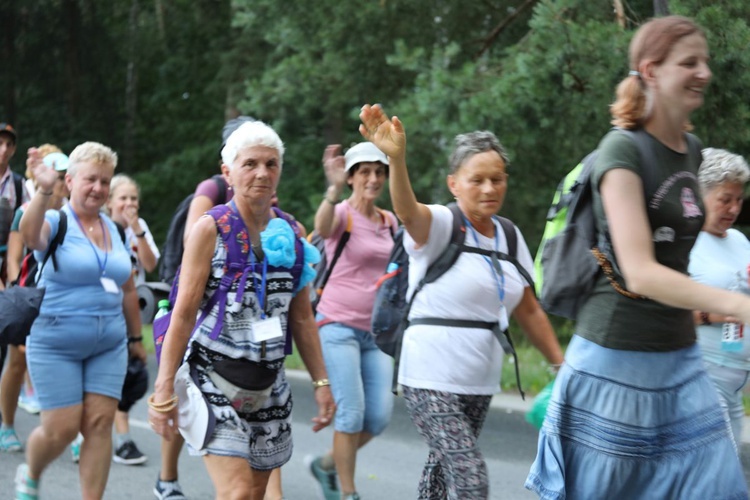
x=497 y=270
x=102 y=265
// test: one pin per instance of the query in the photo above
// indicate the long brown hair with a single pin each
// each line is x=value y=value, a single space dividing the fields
x=652 y=42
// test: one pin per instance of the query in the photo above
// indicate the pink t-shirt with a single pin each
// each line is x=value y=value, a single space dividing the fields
x=350 y=292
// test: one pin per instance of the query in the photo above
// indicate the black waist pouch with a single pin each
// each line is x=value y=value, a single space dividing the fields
x=246 y=374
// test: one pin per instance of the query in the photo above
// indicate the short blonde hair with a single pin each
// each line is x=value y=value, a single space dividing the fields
x=93 y=152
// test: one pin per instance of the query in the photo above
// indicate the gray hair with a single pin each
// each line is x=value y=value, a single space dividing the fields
x=720 y=166
x=248 y=135
x=93 y=152
x=468 y=145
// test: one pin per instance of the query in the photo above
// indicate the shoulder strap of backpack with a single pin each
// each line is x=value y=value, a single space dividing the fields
x=62 y=228
x=18 y=183
x=221 y=184
x=121 y=232
x=339 y=248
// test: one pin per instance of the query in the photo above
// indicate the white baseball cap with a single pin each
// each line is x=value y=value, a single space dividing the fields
x=57 y=161
x=195 y=419
x=364 y=151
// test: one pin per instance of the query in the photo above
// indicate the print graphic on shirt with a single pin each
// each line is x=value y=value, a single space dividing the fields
x=661 y=193
x=690 y=208
x=664 y=234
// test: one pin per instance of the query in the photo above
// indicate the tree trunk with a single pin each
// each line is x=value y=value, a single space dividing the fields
x=661 y=8
x=131 y=87
x=8 y=22
x=620 y=13
x=72 y=19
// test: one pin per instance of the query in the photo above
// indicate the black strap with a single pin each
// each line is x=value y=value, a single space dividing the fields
x=62 y=228
x=221 y=183
x=339 y=248
x=18 y=183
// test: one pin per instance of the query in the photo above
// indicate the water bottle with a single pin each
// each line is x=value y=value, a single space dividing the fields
x=391 y=267
x=732 y=334
x=163 y=308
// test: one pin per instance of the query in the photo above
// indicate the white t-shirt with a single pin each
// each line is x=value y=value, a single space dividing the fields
x=450 y=359
x=716 y=261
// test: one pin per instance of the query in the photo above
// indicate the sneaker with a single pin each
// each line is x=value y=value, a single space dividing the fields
x=9 y=440
x=129 y=454
x=327 y=479
x=26 y=488
x=168 y=490
x=29 y=402
x=75 y=449
x=352 y=496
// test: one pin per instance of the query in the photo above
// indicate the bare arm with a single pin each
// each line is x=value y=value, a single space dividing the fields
x=14 y=255
x=145 y=255
x=535 y=323
x=33 y=228
x=199 y=205
x=132 y=312
x=389 y=136
x=326 y=221
x=193 y=277
x=305 y=334
x=625 y=208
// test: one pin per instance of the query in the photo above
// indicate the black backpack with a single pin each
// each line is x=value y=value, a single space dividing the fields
x=390 y=311
x=171 y=252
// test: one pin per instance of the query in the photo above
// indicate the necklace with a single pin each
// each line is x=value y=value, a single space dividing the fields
x=91 y=229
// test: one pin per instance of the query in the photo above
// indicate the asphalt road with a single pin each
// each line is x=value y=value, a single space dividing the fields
x=387 y=468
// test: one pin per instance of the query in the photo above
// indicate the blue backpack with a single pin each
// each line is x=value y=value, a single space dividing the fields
x=234 y=236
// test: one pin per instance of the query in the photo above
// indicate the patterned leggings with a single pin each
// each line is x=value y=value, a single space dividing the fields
x=450 y=423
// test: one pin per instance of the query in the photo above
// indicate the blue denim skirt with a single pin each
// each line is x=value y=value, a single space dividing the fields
x=635 y=425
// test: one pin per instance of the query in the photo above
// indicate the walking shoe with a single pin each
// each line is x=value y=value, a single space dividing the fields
x=26 y=488
x=9 y=440
x=129 y=454
x=327 y=479
x=75 y=449
x=29 y=402
x=168 y=490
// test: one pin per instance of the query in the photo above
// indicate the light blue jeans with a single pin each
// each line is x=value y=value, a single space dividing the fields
x=729 y=383
x=360 y=376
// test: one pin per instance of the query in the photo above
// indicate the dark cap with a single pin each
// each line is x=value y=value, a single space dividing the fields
x=233 y=125
x=8 y=129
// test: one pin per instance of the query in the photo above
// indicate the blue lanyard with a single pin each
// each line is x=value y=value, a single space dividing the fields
x=499 y=281
x=102 y=267
x=260 y=292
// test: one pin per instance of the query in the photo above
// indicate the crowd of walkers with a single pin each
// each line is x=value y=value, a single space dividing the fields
x=647 y=400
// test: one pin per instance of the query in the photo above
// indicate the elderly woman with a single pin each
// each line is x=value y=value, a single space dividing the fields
x=449 y=374
x=77 y=350
x=14 y=391
x=247 y=442
x=360 y=372
x=720 y=257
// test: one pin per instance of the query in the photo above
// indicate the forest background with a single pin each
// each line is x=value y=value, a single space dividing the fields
x=157 y=79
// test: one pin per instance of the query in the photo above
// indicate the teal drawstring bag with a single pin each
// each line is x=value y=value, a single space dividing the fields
x=535 y=416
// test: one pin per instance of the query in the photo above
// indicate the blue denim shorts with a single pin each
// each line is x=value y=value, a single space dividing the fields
x=68 y=356
x=360 y=376
x=636 y=425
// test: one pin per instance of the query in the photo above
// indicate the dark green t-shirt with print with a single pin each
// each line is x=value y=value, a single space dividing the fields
x=675 y=213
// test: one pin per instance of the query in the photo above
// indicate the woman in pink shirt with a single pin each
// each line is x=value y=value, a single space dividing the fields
x=359 y=372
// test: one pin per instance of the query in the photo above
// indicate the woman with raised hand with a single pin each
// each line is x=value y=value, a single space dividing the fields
x=359 y=371
x=633 y=413
x=448 y=373
x=720 y=258
x=226 y=357
x=77 y=350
